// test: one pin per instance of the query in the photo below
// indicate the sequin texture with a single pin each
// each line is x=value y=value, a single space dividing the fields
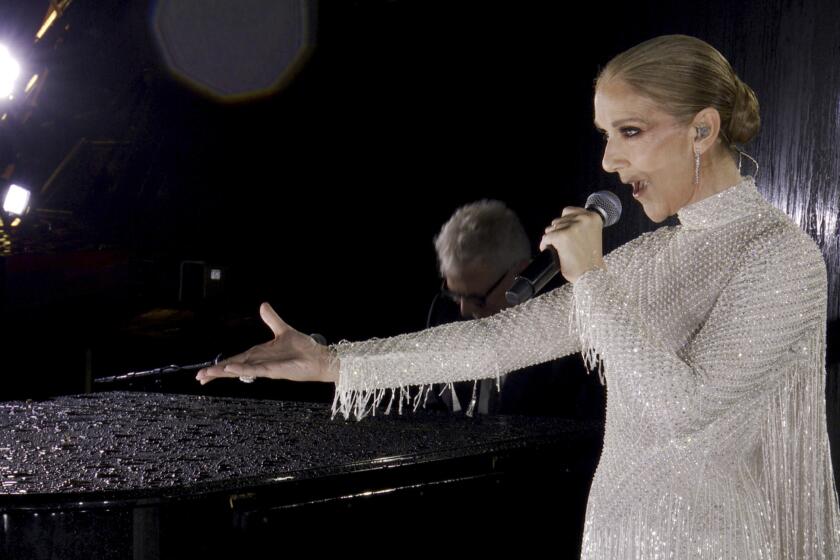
x=710 y=336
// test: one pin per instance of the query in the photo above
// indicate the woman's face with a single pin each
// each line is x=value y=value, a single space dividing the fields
x=647 y=147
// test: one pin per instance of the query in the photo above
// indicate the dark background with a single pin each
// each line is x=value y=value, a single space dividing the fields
x=323 y=197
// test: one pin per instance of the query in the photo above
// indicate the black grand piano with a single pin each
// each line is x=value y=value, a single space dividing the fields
x=134 y=475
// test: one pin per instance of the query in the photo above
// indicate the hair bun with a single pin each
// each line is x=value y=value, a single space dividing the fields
x=745 y=120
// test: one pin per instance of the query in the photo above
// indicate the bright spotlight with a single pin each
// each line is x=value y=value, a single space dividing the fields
x=17 y=200
x=9 y=71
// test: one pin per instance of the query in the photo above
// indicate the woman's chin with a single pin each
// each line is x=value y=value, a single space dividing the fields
x=655 y=215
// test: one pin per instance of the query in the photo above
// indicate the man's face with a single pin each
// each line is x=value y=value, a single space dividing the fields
x=479 y=290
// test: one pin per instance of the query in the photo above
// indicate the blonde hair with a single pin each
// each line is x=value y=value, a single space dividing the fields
x=686 y=75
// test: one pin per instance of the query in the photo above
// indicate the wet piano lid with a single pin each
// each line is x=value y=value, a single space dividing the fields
x=135 y=446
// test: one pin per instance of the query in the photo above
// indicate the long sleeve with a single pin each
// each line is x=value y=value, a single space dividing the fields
x=539 y=330
x=751 y=377
x=774 y=303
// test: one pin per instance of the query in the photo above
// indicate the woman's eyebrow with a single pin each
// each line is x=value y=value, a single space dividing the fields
x=621 y=122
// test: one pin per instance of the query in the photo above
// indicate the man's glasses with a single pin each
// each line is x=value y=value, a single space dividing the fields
x=475 y=299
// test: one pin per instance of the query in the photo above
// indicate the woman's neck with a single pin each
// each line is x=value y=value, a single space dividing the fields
x=717 y=174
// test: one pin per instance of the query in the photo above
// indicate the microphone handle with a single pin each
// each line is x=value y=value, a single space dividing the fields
x=543 y=268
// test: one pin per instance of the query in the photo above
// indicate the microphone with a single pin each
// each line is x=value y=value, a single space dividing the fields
x=546 y=265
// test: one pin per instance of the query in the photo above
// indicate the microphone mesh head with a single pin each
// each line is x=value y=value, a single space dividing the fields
x=607 y=204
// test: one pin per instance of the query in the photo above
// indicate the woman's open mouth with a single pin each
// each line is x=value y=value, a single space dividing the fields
x=638 y=188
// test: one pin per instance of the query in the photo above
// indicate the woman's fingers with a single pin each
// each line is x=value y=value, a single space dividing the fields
x=270 y=359
x=577 y=239
x=207 y=375
x=567 y=218
x=246 y=370
x=561 y=224
x=220 y=370
x=544 y=243
x=272 y=319
x=274 y=370
x=289 y=355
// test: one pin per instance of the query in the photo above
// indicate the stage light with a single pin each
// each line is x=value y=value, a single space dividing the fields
x=17 y=200
x=47 y=23
x=15 y=222
x=31 y=83
x=9 y=72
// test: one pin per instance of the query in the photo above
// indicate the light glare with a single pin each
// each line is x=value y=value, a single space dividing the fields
x=31 y=83
x=47 y=23
x=9 y=72
x=17 y=200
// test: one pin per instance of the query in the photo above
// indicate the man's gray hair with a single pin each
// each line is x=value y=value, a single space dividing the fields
x=485 y=232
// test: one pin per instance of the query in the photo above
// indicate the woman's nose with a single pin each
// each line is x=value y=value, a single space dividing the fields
x=613 y=159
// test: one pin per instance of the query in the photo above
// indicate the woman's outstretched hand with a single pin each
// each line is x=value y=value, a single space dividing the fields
x=290 y=355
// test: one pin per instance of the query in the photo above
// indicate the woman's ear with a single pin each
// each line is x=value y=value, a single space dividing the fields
x=706 y=128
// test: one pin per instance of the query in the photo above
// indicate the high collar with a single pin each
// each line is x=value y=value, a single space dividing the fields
x=741 y=199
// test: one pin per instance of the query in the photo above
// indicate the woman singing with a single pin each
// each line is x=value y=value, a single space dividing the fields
x=710 y=335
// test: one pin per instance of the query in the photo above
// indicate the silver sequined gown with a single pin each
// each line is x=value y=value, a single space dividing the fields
x=711 y=338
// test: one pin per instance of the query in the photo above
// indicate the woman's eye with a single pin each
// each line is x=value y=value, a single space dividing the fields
x=627 y=132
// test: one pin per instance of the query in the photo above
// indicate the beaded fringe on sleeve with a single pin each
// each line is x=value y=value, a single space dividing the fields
x=404 y=368
x=797 y=475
